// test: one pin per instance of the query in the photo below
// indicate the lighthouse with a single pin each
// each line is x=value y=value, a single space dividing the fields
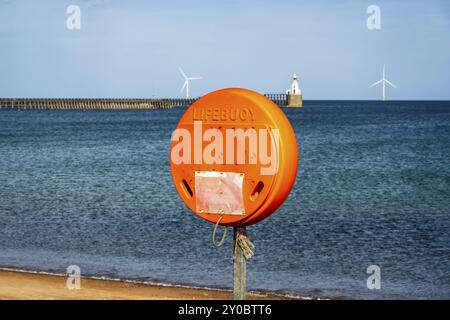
x=294 y=94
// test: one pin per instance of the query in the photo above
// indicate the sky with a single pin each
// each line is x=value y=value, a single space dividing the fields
x=132 y=49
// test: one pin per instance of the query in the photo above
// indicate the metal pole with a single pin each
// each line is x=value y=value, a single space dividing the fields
x=239 y=268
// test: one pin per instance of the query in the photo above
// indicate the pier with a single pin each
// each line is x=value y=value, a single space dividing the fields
x=107 y=103
x=91 y=104
x=279 y=99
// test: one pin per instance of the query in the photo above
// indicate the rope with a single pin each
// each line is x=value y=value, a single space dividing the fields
x=243 y=241
x=217 y=245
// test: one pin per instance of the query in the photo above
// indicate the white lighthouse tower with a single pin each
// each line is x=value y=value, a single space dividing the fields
x=294 y=95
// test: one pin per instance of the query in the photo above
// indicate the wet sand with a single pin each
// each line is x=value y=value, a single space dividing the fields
x=31 y=286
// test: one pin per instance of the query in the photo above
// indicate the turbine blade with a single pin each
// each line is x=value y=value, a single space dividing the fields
x=194 y=78
x=390 y=83
x=378 y=82
x=182 y=72
x=184 y=86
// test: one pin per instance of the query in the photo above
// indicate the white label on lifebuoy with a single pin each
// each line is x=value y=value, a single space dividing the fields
x=219 y=192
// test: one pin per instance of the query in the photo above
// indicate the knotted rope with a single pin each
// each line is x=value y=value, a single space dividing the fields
x=243 y=241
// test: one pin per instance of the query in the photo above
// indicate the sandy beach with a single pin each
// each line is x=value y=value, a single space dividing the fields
x=31 y=286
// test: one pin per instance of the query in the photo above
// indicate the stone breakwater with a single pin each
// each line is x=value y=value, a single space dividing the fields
x=91 y=104
x=106 y=104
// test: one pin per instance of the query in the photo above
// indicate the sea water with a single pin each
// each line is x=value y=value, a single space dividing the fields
x=93 y=189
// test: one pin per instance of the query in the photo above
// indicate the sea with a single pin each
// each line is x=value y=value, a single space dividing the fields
x=94 y=189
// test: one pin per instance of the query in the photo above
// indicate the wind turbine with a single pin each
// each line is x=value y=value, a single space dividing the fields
x=383 y=81
x=186 y=82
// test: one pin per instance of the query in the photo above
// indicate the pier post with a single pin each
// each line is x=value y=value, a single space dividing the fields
x=239 y=267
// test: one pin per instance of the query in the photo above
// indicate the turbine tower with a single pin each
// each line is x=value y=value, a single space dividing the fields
x=383 y=81
x=186 y=82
